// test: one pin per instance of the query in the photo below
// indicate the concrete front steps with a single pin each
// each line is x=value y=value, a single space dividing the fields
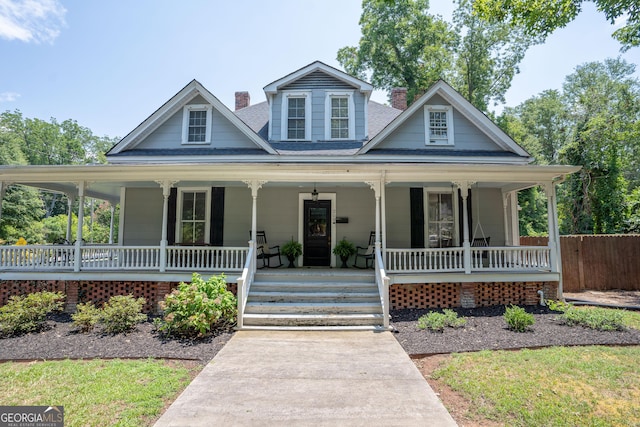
x=313 y=299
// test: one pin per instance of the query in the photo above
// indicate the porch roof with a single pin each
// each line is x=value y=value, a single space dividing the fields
x=106 y=180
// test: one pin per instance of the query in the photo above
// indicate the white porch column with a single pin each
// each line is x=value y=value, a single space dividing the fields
x=113 y=211
x=254 y=185
x=166 y=192
x=383 y=198
x=70 y=199
x=549 y=190
x=375 y=186
x=78 y=254
x=505 y=217
x=466 y=245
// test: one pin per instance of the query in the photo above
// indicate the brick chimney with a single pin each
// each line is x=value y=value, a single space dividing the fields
x=398 y=98
x=242 y=100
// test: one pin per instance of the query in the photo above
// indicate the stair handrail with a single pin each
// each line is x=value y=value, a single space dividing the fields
x=244 y=282
x=382 y=280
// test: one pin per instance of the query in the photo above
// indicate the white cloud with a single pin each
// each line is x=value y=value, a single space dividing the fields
x=31 y=20
x=9 y=96
x=621 y=20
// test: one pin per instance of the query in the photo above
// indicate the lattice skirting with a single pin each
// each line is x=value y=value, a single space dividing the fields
x=96 y=291
x=469 y=295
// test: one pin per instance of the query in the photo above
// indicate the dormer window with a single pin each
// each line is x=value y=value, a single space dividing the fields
x=196 y=124
x=439 y=124
x=296 y=116
x=339 y=115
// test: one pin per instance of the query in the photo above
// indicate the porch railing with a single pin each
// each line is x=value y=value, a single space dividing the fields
x=448 y=260
x=382 y=280
x=420 y=260
x=245 y=281
x=111 y=257
x=515 y=258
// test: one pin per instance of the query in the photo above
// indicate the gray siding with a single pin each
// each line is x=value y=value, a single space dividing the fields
x=143 y=216
x=411 y=134
x=237 y=215
x=318 y=97
x=488 y=210
x=224 y=134
x=317 y=80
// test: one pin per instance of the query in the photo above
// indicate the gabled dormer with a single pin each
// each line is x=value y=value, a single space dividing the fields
x=317 y=104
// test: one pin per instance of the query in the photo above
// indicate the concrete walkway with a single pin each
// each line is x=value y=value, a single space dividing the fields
x=277 y=378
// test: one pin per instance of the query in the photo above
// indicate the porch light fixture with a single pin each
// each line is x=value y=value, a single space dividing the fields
x=314 y=194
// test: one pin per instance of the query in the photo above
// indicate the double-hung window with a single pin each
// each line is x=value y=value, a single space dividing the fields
x=196 y=124
x=193 y=216
x=442 y=229
x=339 y=115
x=296 y=116
x=439 y=124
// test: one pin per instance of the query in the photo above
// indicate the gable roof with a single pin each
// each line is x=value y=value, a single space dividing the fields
x=361 y=85
x=475 y=116
x=175 y=104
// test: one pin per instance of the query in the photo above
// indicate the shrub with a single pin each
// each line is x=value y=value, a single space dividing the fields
x=121 y=313
x=594 y=318
x=194 y=309
x=438 y=321
x=518 y=319
x=86 y=317
x=24 y=314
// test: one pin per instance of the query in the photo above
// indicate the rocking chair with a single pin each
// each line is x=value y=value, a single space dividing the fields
x=266 y=252
x=367 y=253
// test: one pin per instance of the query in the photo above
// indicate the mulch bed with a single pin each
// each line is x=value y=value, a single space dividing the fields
x=60 y=340
x=487 y=330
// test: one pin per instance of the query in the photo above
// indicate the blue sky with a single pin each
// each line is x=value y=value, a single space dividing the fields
x=110 y=64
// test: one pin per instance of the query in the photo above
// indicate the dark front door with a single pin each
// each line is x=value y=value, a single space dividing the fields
x=317 y=233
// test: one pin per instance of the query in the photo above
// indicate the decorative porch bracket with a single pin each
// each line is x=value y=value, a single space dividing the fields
x=464 y=187
x=166 y=186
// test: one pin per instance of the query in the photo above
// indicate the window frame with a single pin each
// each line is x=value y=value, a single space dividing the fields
x=329 y=96
x=179 y=206
x=186 y=112
x=284 y=128
x=456 y=221
x=432 y=140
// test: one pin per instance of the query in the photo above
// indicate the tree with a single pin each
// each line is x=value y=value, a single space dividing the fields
x=544 y=17
x=402 y=45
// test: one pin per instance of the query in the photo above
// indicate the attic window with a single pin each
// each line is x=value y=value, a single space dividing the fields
x=196 y=124
x=339 y=115
x=296 y=116
x=439 y=124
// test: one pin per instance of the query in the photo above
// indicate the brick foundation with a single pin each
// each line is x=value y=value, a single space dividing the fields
x=96 y=291
x=469 y=295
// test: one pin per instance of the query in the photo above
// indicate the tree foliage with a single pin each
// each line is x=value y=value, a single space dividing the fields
x=544 y=17
x=592 y=123
x=403 y=45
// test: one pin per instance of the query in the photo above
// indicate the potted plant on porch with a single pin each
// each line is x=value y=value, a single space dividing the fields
x=292 y=250
x=344 y=249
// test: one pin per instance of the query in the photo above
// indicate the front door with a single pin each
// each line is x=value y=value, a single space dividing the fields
x=317 y=233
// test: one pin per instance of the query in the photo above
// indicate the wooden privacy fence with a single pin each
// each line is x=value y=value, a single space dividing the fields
x=597 y=262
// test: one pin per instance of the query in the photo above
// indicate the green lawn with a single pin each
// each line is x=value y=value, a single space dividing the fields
x=96 y=392
x=558 y=386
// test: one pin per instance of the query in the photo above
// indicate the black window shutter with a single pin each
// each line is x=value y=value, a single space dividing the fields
x=416 y=197
x=217 y=216
x=171 y=217
x=461 y=217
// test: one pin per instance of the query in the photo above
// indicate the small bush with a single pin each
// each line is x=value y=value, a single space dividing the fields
x=86 y=317
x=518 y=319
x=121 y=313
x=23 y=314
x=557 y=305
x=594 y=318
x=194 y=309
x=438 y=321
